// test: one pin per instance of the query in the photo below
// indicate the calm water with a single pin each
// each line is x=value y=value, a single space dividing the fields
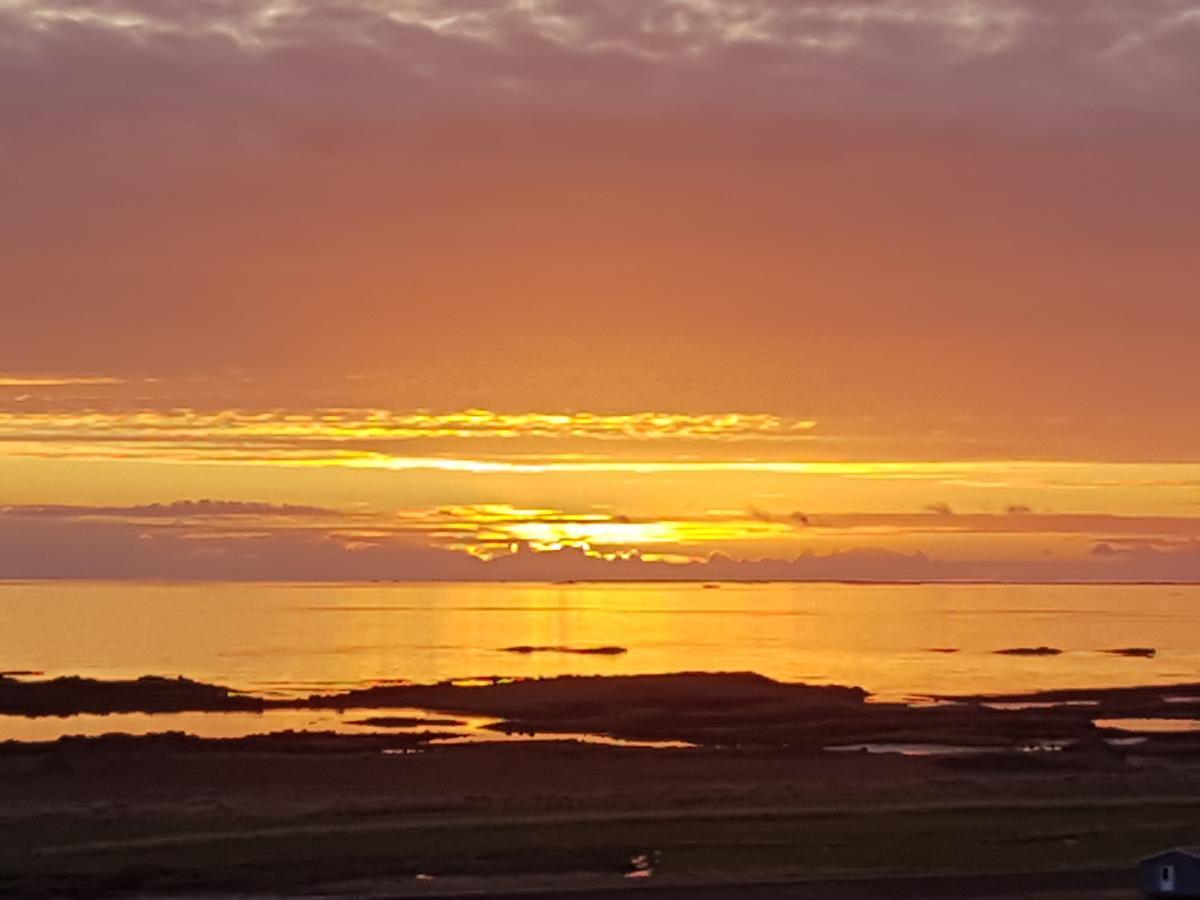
x=304 y=638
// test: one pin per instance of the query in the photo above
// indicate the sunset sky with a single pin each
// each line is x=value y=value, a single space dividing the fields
x=357 y=289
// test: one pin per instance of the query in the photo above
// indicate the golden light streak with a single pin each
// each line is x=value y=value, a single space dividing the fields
x=993 y=474
x=640 y=467
x=348 y=425
x=29 y=381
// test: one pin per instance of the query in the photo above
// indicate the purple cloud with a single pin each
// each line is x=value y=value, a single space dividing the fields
x=53 y=546
x=189 y=509
x=255 y=62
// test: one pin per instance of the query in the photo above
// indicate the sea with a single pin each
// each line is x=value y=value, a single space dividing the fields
x=900 y=642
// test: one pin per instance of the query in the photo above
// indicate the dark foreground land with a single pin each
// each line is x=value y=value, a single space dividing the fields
x=756 y=809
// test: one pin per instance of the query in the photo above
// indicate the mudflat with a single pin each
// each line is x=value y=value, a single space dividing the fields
x=724 y=709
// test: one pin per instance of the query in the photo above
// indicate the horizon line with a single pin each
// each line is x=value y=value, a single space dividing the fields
x=568 y=582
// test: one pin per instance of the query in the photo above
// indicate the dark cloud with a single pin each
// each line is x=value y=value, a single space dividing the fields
x=48 y=548
x=939 y=509
x=90 y=548
x=795 y=518
x=939 y=518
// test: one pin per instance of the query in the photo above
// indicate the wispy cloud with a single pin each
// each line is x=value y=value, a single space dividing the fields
x=908 y=54
x=53 y=381
x=363 y=425
x=178 y=509
x=487 y=443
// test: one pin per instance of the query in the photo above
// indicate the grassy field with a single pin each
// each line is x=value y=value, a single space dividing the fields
x=153 y=818
x=696 y=847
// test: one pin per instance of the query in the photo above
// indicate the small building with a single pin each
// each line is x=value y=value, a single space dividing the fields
x=1172 y=873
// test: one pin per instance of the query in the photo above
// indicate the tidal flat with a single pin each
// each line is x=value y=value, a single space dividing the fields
x=1054 y=806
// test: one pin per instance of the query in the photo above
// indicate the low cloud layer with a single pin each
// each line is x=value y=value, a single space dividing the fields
x=261 y=541
x=53 y=550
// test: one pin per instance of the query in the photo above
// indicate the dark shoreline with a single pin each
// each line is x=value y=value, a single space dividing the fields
x=710 y=710
x=756 y=799
x=155 y=819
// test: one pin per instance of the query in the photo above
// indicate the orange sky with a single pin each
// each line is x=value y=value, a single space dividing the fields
x=904 y=288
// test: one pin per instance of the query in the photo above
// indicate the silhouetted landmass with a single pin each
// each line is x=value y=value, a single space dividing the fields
x=943 y=649
x=693 y=692
x=150 y=693
x=559 y=648
x=1029 y=651
x=748 y=710
x=1137 y=652
x=710 y=710
x=289 y=741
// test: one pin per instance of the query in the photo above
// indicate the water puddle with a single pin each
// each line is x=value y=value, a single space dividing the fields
x=914 y=749
x=1126 y=741
x=1046 y=745
x=603 y=740
x=1150 y=725
x=452 y=730
x=927 y=703
x=1017 y=706
x=226 y=724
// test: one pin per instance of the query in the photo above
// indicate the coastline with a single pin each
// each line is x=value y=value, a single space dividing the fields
x=714 y=711
x=1046 y=804
x=153 y=817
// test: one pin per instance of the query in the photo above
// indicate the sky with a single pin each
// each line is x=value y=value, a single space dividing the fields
x=568 y=289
